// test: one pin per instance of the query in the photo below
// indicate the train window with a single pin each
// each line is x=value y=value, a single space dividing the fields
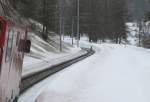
x=1 y=26
x=9 y=45
x=1 y=55
x=17 y=40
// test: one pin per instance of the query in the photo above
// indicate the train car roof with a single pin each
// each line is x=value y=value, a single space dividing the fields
x=10 y=14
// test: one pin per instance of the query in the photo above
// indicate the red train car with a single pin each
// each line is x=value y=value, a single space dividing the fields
x=13 y=45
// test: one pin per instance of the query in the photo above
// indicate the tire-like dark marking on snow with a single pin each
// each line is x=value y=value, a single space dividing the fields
x=30 y=80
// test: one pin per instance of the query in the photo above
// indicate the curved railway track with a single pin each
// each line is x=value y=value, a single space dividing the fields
x=29 y=81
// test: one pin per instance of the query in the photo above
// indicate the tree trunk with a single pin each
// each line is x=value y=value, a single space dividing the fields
x=120 y=40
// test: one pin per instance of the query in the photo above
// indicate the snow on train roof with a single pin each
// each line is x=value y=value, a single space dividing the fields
x=8 y=12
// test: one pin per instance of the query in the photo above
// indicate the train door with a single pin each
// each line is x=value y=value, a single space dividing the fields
x=4 y=68
x=2 y=35
x=3 y=25
x=10 y=55
x=1 y=54
x=16 y=65
x=1 y=50
x=6 y=64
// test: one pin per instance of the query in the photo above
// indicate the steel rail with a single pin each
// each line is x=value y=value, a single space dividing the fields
x=29 y=81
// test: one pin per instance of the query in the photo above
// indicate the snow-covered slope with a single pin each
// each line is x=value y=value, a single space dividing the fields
x=46 y=54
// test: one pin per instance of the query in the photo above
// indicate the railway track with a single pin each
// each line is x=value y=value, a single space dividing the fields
x=29 y=81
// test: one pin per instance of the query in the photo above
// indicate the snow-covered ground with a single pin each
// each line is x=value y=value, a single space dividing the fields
x=115 y=73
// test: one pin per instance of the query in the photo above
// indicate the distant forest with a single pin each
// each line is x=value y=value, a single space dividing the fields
x=99 y=19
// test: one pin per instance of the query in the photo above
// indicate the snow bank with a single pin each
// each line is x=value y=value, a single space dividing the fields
x=115 y=74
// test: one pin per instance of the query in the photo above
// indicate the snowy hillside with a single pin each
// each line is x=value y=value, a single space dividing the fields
x=46 y=54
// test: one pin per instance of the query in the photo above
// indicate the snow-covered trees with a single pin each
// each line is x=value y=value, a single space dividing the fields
x=99 y=19
x=103 y=19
